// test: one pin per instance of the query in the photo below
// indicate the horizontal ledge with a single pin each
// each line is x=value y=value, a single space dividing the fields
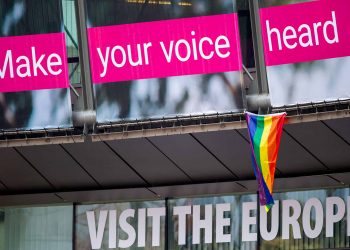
x=204 y=189
x=42 y=141
x=177 y=130
x=163 y=131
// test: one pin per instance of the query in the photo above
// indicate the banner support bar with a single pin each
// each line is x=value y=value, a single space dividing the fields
x=261 y=83
x=247 y=72
x=87 y=116
x=258 y=242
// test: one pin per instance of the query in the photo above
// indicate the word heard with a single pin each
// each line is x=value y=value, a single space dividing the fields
x=165 y=48
x=321 y=31
x=31 y=63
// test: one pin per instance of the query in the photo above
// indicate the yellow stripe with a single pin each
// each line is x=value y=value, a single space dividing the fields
x=264 y=152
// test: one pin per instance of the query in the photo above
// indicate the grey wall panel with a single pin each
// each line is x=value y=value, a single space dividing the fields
x=147 y=160
x=2 y=186
x=323 y=143
x=17 y=174
x=295 y=183
x=58 y=167
x=116 y=195
x=231 y=149
x=29 y=199
x=341 y=127
x=294 y=159
x=199 y=189
x=250 y=185
x=105 y=166
x=342 y=177
x=192 y=158
x=305 y=182
x=244 y=133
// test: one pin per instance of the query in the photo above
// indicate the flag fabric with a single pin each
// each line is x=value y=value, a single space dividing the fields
x=265 y=135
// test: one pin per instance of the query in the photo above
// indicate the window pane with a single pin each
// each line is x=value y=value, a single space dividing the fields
x=36 y=228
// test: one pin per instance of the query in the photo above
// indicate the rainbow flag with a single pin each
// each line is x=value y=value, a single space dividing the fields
x=265 y=135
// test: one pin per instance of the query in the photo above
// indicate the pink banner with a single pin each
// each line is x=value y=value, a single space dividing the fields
x=33 y=62
x=307 y=31
x=199 y=45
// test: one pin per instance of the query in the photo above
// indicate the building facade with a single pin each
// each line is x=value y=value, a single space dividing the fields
x=122 y=123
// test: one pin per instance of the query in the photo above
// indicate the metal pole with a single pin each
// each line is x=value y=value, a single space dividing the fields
x=166 y=231
x=74 y=229
x=258 y=47
x=258 y=243
x=87 y=88
x=258 y=96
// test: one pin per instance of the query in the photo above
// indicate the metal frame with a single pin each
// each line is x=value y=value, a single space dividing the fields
x=84 y=113
x=87 y=116
x=171 y=126
x=258 y=96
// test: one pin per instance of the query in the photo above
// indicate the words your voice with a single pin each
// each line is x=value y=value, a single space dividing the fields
x=182 y=50
x=311 y=217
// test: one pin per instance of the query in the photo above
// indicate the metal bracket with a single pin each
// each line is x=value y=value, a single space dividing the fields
x=85 y=117
x=259 y=103
x=248 y=73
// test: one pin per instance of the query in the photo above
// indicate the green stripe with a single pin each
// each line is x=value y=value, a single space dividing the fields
x=257 y=139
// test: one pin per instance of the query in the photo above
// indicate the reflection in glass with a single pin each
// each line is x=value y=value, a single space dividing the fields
x=40 y=108
x=164 y=97
x=39 y=228
x=82 y=241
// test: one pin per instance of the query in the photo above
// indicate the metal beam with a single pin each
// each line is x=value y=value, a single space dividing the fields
x=41 y=141
x=258 y=47
x=88 y=96
x=164 y=131
x=111 y=194
x=212 y=127
x=258 y=94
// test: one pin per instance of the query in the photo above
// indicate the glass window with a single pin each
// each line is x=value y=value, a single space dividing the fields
x=126 y=225
x=36 y=228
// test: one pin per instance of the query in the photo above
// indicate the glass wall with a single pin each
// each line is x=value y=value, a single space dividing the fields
x=130 y=225
x=70 y=28
x=31 y=102
x=313 y=219
x=164 y=94
x=36 y=228
x=314 y=230
x=308 y=65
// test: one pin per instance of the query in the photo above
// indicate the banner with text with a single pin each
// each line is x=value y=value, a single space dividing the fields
x=308 y=57
x=163 y=59
x=33 y=62
x=198 y=45
x=34 y=84
x=314 y=219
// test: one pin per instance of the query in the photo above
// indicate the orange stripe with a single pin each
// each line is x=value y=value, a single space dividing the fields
x=272 y=150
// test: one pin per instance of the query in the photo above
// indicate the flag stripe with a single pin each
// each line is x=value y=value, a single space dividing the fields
x=272 y=150
x=264 y=151
x=265 y=134
x=257 y=138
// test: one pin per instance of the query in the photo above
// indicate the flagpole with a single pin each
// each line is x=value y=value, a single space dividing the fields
x=258 y=221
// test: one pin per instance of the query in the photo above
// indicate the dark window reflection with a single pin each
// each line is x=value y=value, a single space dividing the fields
x=111 y=12
x=268 y=3
x=31 y=109
x=24 y=17
x=179 y=95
